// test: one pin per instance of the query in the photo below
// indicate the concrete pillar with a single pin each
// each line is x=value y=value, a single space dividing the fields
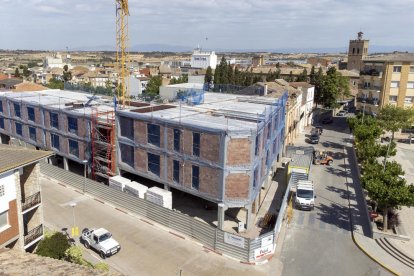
x=166 y=187
x=1 y=139
x=249 y=216
x=65 y=164
x=220 y=215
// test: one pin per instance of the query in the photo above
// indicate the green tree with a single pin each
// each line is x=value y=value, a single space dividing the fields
x=26 y=72
x=67 y=75
x=53 y=245
x=312 y=76
x=303 y=76
x=387 y=188
x=153 y=86
x=208 y=78
x=332 y=87
x=55 y=84
x=17 y=73
x=290 y=78
x=393 y=118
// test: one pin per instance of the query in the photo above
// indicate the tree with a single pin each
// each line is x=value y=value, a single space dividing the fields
x=208 y=78
x=332 y=87
x=182 y=79
x=290 y=78
x=55 y=84
x=153 y=86
x=17 y=73
x=393 y=118
x=53 y=245
x=67 y=75
x=303 y=76
x=387 y=188
x=312 y=76
x=26 y=72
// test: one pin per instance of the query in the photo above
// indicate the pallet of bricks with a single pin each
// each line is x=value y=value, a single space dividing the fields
x=118 y=182
x=135 y=189
x=160 y=197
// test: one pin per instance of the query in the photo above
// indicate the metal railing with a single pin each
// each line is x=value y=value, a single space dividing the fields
x=33 y=234
x=31 y=201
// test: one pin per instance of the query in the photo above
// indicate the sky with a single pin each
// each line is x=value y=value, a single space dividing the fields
x=213 y=24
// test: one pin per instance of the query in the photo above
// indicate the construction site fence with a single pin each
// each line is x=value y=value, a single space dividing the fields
x=238 y=247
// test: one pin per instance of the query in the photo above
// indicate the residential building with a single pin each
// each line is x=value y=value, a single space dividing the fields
x=223 y=150
x=384 y=80
x=21 y=213
x=258 y=61
x=357 y=52
x=170 y=92
x=308 y=94
x=200 y=59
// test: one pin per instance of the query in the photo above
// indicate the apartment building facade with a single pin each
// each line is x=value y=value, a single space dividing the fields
x=223 y=150
x=386 y=80
x=21 y=213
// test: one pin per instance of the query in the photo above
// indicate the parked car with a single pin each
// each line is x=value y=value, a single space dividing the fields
x=101 y=241
x=314 y=138
x=341 y=113
x=327 y=120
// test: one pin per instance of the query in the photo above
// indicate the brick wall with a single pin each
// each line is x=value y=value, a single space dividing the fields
x=210 y=181
x=140 y=132
x=48 y=142
x=39 y=136
x=238 y=151
x=237 y=185
x=210 y=147
x=63 y=122
x=82 y=150
x=38 y=116
x=64 y=145
x=47 y=119
x=83 y=128
x=187 y=145
x=4 y=103
x=263 y=166
x=141 y=160
x=29 y=180
x=13 y=231
x=170 y=139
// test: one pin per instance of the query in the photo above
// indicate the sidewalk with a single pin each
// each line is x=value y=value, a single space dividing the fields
x=384 y=251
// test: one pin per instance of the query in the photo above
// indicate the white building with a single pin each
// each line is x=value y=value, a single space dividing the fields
x=200 y=59
x=55 y=61
x=169 y=92
x=308 y=91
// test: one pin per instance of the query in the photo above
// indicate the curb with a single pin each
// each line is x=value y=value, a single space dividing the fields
x=373 y=258
x=168 y=230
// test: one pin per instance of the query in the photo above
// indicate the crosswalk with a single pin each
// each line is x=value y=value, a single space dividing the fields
x=312 y=220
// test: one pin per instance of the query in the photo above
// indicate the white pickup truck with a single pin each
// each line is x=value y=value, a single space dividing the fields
x=305 y=195
x=100 y=240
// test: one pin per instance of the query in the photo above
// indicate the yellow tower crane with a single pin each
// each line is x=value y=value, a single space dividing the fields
x=122 y=54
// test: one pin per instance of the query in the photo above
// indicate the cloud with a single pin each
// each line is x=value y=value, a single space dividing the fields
x=227 y=23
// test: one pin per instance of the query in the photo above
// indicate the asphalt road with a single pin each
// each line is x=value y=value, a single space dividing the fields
x=146 y=249
x=319 y=242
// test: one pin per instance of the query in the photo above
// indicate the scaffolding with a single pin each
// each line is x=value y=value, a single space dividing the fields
x=103 y=144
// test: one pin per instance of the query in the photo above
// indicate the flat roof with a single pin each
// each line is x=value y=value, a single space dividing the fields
x=226 y=112
x=392 y=58
x=15 y=157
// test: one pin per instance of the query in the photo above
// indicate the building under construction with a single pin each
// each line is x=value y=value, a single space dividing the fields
x=78 y=127
x=224 y=149
x=219 y=147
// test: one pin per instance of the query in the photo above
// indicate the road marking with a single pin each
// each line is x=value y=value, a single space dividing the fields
x=311 y=219
x=301 y=218
x=76 y=200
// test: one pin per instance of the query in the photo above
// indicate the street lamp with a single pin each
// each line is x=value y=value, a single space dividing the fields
x=85 y=162
x=73 y=205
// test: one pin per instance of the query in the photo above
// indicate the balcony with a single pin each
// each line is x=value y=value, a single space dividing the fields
x=373 y=101
x=31 y=201
x=371 y=72
x=372 y=87
x=33 y=234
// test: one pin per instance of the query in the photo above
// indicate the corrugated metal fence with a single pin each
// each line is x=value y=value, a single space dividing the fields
x=236 y=246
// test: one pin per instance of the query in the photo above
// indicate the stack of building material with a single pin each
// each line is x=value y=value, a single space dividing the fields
x=135 y=189
x=160 y=197
x=118 y=182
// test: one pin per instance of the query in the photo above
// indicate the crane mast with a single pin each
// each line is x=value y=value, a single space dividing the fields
x=122 y=54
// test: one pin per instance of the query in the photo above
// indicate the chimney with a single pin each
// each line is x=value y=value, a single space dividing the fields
x=265 y=90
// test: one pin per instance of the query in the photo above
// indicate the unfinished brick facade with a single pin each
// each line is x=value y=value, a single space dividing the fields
x=237 y=185
x=239 y=151
x=210 y=147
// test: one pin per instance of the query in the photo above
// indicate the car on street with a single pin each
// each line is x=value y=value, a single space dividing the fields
x=327 y=120
x=314 y=138
x=101 y=241
x=341 y=113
